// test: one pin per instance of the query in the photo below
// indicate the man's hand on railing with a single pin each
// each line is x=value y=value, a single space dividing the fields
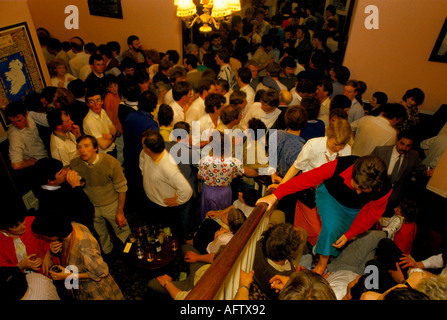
x=270 y=200
x=245 y=280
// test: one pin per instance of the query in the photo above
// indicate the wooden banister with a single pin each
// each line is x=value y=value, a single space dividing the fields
x=213 y=279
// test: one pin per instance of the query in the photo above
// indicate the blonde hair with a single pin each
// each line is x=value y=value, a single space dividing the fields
x=434 y=287
x=340 y=130
x=190 y=47
x=53 y=64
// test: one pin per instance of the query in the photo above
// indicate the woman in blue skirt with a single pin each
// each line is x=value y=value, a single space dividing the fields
x=351 y=195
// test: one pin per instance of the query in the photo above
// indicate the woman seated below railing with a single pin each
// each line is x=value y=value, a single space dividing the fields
x=198 y=261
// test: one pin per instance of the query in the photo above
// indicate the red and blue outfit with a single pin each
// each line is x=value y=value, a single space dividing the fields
x=341 y=209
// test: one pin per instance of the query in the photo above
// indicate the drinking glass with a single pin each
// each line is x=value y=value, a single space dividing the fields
x=140 y=253
x=174 y=245
x=150 y=256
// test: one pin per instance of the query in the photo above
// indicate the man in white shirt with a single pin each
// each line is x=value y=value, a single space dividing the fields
x=80 y=59
x=304 y=87
x=163 y=182
x=271 y=81
x=197 y=109
x=63 y=138
x=267 y=111
x=243 y=80
x=210 y=120
x=350 y=90
x=226 y=71
x=25 y=145
x=324 y=90
x=98 y=124
x=178 y=74
x=193 y=75
x=371 y=131
x=181 y=93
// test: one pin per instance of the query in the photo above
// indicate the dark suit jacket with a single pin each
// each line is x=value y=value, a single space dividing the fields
x=410 y=164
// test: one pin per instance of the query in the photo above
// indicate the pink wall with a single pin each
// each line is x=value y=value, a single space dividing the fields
x=394 y=57
x=154 y=21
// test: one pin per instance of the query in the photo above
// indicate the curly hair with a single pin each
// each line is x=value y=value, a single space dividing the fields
x=280 y=241
x=369 y=172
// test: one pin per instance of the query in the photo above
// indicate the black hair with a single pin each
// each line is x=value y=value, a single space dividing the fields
x=114 y=46
x=13 y=284
x=173 y=55
x=153 y=140
x=180 y=89
x=312 y=106
x=213 y=100
x=105 y=50
x=254 y=125
x=415 y=93
x=95 y=57
x=131 y=39
x=45 y=170
x=147 y=101
x=130 y=89
x=381 y=97
x=77 y=87
x=245 y=74
x=394 y=110
x=250 y=196
x=14 y=109
x=54 y=118
x=165 y=115
x=340 y=101
x=409 y=209
x=50 y=226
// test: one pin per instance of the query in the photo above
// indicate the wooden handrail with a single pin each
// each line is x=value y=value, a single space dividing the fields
x=209 y=284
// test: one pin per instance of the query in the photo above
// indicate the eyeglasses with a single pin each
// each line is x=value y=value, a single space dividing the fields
x=93 y=102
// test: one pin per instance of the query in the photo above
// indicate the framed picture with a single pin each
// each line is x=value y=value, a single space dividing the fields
x=20 y=71
x=3 y=121
x=106 y=8
x=342 y=6
x=439 y=52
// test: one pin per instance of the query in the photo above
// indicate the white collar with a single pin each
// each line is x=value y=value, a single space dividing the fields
x=50 y=188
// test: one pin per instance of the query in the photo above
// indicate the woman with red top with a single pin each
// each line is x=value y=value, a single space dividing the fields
x=351 y=195
x=19 y=245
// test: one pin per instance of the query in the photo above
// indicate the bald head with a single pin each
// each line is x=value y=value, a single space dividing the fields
x=285 y=97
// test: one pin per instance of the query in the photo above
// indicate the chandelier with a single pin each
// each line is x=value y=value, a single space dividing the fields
x=214 y=12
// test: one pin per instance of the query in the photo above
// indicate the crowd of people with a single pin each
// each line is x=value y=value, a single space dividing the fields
x=263 y=103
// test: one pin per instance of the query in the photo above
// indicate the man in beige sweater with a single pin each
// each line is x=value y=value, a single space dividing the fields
x=106 y=187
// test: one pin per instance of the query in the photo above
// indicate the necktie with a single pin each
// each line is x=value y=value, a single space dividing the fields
x=395 y=170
